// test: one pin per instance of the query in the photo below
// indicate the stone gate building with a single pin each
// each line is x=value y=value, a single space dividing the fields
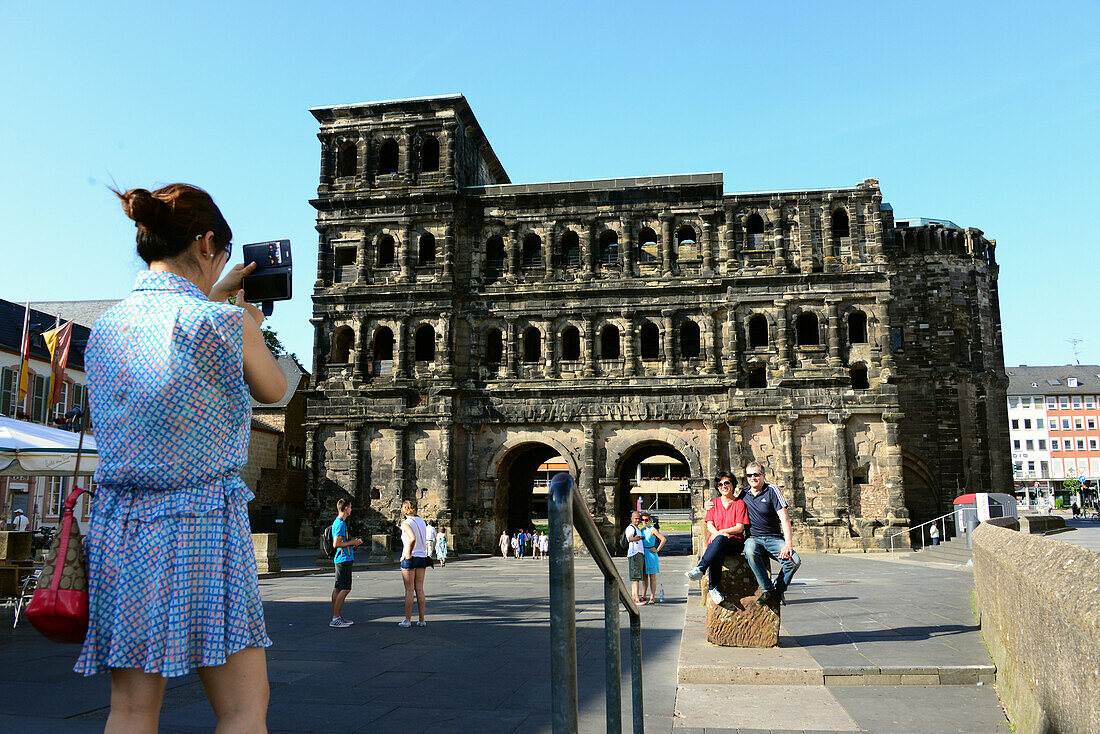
x=468 y=328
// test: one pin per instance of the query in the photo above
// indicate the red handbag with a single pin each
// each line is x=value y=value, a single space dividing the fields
x=59 y=606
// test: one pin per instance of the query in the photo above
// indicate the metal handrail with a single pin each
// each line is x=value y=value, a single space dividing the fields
x=565 y=506
x=942 y=519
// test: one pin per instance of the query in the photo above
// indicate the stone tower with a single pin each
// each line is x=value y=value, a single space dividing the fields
x=467 y=329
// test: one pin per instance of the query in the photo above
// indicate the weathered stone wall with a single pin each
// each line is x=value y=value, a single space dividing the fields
x=263 y=453
x=1040 y=617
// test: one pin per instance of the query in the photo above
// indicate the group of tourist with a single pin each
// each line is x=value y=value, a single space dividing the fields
x=644 y=541
x=531 y=543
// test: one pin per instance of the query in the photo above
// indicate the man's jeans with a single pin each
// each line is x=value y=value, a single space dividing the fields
x=715 y=555
x=757 y=551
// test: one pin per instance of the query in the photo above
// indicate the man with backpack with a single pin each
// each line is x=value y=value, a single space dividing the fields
x=635 y=554
x=343 y=559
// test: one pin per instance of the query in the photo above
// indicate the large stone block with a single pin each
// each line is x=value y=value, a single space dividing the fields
x=380 y=547
x=15 y=545
x=739 y=621
x=267 y=555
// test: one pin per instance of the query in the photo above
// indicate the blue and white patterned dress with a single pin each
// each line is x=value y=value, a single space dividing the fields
x=171 y=570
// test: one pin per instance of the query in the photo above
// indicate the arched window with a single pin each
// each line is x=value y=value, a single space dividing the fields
x=532 y=251
x=386 y=251
x=609 y=342
x=429 y=155
x=758 y=331
x=347 y=159
x=494 y=346
x=686 y=246
x=383 y=352
x=570 y=344
x=754 y=232
x=425 y=250
x=651 y=341
x=532 y=345
x=648 y=250
x=609 y=247
x=689 y=340
x=858 y=374
x=758 y=376
x=857 y=327
x=840 y=223
x=805 y=328
x=570 y=249
x=424 y=350
x=387 y=157
x=341 y=345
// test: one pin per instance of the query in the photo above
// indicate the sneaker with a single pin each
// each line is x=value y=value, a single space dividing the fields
x=766 y=597
x=338 y=622
x=715 y=596
x=421 y=624
x=694 y=574
x=405 y=623
x=347 y=622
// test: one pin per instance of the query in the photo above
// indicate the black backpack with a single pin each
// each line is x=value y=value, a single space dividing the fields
x=623 y=539
x=326 y=543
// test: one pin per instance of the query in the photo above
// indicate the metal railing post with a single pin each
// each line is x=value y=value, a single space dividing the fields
x=612 y=656
x=563 y=622
x=636 y=673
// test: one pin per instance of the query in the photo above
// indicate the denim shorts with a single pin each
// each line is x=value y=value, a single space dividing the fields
x=409 y=564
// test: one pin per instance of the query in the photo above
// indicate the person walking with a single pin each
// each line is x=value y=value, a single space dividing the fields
x=545 y=545
x=521 y=543
x=441 y=546
x=414 y=561
x=635 y=554
x=934 y=534
x=652 y=544
x=727 y=521
x=505 y=543
x=429 y=538
x=172 y=585
x=343 y=560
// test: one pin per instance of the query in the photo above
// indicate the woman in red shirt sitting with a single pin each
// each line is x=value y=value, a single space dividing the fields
x=727 y=522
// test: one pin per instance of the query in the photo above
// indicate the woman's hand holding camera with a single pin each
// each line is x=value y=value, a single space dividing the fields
x=230 y=285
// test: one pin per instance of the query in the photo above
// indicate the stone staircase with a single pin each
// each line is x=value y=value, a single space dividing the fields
x=953 y=551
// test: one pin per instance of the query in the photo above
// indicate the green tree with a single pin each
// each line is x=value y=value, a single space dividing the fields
x=272 y=341
x=1071 y=485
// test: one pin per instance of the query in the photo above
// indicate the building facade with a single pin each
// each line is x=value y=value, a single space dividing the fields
x=1054 y=427
x=468 y=329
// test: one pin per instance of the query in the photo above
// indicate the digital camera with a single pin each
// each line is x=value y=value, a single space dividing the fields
x=271 y=280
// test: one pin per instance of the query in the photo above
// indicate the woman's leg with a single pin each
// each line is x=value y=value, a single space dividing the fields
x=725 y=546
x=421 y=603
x=408 y=575
x=136 y=697
x=238 y=692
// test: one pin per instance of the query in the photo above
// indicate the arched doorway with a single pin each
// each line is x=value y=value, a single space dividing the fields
x=655 y=474
x=517 y=503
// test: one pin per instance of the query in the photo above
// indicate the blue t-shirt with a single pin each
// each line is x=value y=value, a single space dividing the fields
x=764 y=512
x=340 y=530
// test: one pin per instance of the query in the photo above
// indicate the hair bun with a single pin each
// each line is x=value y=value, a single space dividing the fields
x=145 y=209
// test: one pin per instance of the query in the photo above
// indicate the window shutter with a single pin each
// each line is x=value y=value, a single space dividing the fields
x=7 y=391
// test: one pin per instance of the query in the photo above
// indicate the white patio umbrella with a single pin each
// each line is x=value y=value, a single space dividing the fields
x=31 y=449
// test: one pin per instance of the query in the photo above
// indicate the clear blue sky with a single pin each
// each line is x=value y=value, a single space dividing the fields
x=982 y=113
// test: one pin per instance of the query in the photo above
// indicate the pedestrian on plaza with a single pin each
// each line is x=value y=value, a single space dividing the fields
x=727 y=522
x=934 y=534
x=441 y=546
x=545 y=545
x=536 y=545
x=172 y=585
x=1075 y=509
x=343 y=560
x=652 y=544
x=430 y=538
x=414 y=561
x=505 y=543
x=521 y=543
x=515 y=545
x=19 y=521
x=635 y=554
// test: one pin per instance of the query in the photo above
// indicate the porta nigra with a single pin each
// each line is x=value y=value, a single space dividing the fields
x=469 y=329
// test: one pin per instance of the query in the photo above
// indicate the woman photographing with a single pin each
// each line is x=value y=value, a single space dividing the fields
x=171 y=570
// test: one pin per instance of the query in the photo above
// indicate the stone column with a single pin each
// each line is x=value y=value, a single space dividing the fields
x=400 y=461
x=726 y=265
x=708 y=247
x=401 y=350
x=448 y=252
x=549 y=351
x=782 y=353
x=590 y=345
x=833 y=334
x=626 y=247
x=313 y=468
x=325 y=262
x=548 y=251
x=511 y=252
x=667 y=243
x=667 y=341
x=733 y=341
x=445 y=355
x=406 y=157
x=362 y=260
x=319 y=351
x=881 y=311
x=589 y=245
x=510 y=348
x=404 y=253
x=839 y=422
x=713 y=460
x=630 y=366
x=328 y=159
x=354 y=441
x=736 y=459
x=446 y=490
x=896 y=512
x=712 y=341
x=827 y=250
x=779 y=251
x=876 y=237
x=589 y=486
x=360 y=352
x=786 y=423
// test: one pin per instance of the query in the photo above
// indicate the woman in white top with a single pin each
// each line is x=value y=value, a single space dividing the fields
x=545 y=545
x=414 y=559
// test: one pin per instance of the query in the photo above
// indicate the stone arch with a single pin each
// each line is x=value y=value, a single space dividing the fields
x=607 y=248
x=429 y=154
x=512 y=471
x=622 y=452
x=347 y=158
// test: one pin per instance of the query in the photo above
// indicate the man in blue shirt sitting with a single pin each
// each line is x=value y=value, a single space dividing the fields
x=769 y=535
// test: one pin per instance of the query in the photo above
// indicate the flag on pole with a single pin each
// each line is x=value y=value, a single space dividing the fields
x=57 y=341
x=24 y=356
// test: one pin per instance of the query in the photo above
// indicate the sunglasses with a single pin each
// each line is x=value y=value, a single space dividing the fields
x=228 y=251
x=754 y=474
x=725 y=483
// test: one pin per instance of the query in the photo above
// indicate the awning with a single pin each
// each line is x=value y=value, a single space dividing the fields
x=31 y=449
x=661 y=459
